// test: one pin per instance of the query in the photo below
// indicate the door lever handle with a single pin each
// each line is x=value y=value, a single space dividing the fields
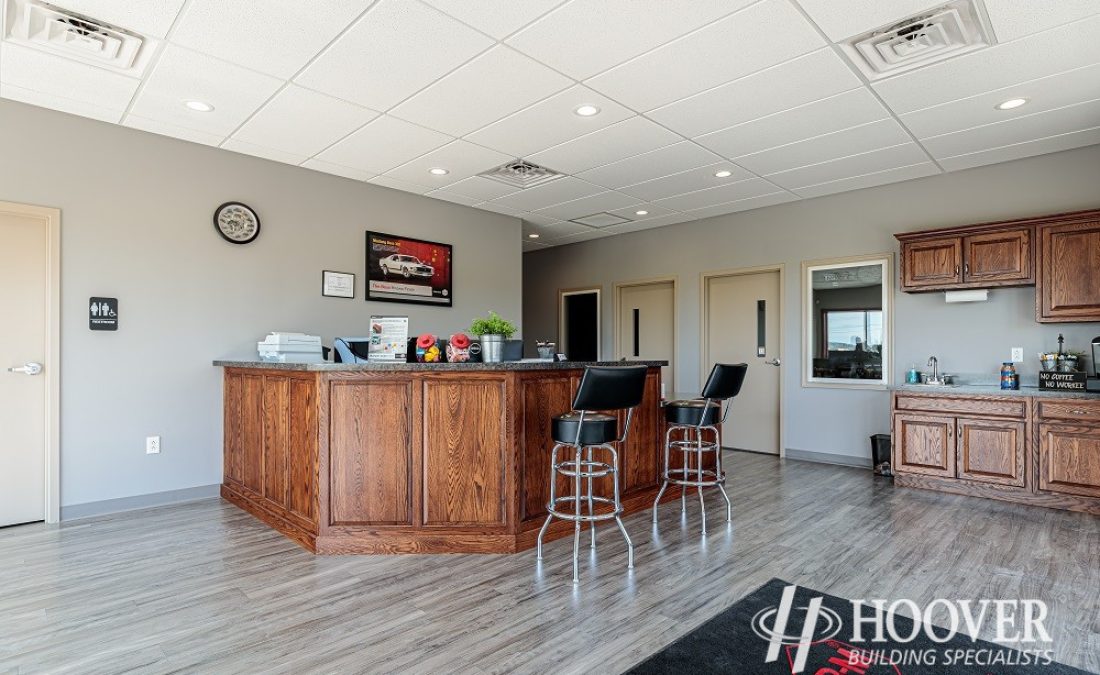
x=774 y=362
x=30 y=368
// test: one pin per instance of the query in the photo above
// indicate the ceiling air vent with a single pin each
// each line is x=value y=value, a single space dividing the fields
x=949 y=30
x=43 y=26
x=522 y=174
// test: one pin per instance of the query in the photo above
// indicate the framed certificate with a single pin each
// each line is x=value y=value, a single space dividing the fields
x=337 y=284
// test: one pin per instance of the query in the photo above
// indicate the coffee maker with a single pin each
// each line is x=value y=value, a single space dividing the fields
x=1093 y=381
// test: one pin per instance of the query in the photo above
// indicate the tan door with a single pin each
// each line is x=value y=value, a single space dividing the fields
x=647 y=323
x=742 y=326
x=24 y=295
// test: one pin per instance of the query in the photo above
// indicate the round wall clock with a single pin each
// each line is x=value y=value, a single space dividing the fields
x=236 y=223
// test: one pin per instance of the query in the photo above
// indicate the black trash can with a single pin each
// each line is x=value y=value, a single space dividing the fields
x=880 y=454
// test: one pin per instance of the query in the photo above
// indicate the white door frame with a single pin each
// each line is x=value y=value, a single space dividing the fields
x=616 y=297
x=704 y=317
x=52 y=221
x=562 y=293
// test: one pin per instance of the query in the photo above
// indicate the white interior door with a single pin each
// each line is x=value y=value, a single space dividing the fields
x=24 y=296
x=742 y=326
x=647 y=321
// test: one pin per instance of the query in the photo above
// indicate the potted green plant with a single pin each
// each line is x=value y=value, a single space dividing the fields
x=493 y=331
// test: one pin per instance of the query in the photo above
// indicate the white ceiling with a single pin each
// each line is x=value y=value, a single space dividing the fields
x=384 y=90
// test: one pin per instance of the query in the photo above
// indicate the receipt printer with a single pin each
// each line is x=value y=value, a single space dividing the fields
x=291 y=348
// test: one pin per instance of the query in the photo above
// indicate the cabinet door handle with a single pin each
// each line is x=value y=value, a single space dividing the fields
x=956 y=270
x=966 y=269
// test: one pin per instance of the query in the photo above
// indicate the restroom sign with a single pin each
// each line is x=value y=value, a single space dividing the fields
x=103 y=313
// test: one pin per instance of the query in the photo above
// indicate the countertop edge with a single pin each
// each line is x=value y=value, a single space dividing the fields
x=427 y=367
x=991 y=390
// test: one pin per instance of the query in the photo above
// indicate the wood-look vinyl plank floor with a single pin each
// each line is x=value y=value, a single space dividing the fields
x=205 y=588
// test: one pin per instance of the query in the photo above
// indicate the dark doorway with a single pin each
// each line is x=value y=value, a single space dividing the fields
x=580 y=316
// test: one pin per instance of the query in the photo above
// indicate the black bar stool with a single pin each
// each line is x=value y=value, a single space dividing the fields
x=607 y=390
x=690 y=419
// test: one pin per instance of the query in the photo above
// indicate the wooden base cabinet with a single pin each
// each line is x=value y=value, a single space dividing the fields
x=1034 y=450
x=362 y=461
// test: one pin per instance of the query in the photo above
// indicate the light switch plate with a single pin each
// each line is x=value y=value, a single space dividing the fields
x=1017 y=354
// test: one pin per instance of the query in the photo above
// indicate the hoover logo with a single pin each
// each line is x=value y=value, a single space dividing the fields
x=779 y=617
x=884 y=636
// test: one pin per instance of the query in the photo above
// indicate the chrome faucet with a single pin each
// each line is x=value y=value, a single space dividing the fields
x=935 y=364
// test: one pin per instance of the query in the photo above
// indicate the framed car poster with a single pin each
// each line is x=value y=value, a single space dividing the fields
x=400 y=269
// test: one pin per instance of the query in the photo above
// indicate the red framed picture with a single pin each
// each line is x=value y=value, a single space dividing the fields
x=400 y=269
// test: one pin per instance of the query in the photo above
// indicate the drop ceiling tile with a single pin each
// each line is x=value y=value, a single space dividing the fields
x=278 y=39
x=592 y=233
x=895 y=175
x=499 y=18
x=553 y=231
x=1047 y=93
x=692 y=180
x=149 y=17
x=746 y=204
x=550 y=122
x=337 y=170
x=864 y=138
x=383 y=144
x=404 y=186
x=654 y=164
x=898 y=156
x=852 y=108
x=303 y=122
x=755 y=38
x=1019 y=130
x=808 y=78
x=53 y=75
x=649 y=224
x=1052 y=51
x=262 y=152
x=625 y=139
x=561 y=190
x=173 y=130
x=841 y=19
x=395 y=50
x=1012 y=19
x=753 y=187
x=483 y=189
x=530 y=245
x=575 y=38
x=1008 y=153
x=585 y=206
x=501 y=208
x=493 y=85
x=182 y=74
x=60 y=103
x=452 y=197
x=461 y=159
x=652 y=212
x=536 y=219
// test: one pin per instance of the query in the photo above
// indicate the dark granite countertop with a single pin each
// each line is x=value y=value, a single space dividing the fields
x=990 y=390
x=402 y=367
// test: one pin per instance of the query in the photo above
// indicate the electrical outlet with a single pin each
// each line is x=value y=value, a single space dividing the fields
x=1017 y=354
x=152 y=445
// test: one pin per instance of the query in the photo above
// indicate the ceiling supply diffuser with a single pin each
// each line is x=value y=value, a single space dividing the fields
x=522 y=174
x=935 y=35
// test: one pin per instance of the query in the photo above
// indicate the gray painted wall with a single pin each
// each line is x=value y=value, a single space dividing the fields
x=136 y=224
x=971 y=338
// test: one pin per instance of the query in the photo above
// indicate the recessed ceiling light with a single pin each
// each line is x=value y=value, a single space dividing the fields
x=199 y=106
x=438 y=171
x=532 y=236
x=641 y=213
x=724 y=173
x=587 y=110
x=1011 y=103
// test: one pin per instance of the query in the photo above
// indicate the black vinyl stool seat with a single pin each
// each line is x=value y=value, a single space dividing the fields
x=693 y=413
x=689 y=424
x=598 y=428
x=588 y=429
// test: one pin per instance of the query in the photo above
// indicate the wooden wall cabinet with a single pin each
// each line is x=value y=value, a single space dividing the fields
x=983 y=256
x=1069 y=271
x=1033 y=450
